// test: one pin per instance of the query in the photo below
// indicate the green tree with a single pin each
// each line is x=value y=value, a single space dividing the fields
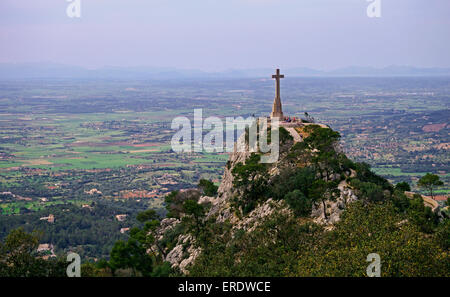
x=370 y=191
x=299 y=203
x=147 y=235
x=289 y=180
x=19 y=258
x=195 y=213
x=430 y=182
x=138 y=253
x=131 y=254
x=208 y=187
x=322 y=142
x=403 y=186
x=322 y=139
x=169 y=202
x=148 y=215
x=174 y=201
x=251 y=180
x=365 y=174
x=421 y=215
x=400 y=201
x=322 y=191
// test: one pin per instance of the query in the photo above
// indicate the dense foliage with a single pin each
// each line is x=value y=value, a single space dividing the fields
x=89 y=231
x=285 y=246
x=251 y=177
x=208 y=187
x=430 y=182
x=141 y=255
x=19 y=257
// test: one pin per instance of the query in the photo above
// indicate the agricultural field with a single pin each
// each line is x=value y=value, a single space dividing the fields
x=69 y=144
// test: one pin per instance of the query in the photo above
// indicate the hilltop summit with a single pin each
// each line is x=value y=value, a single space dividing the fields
x=313 y=212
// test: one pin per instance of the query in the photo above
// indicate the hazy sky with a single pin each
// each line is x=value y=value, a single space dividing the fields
x=224 y=34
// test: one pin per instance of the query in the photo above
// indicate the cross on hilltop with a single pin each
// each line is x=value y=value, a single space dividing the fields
x=277 y=110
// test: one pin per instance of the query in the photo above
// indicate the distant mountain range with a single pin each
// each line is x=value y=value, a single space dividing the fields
x=51 y=70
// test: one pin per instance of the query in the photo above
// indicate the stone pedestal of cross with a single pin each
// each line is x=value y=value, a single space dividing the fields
x=277 y=110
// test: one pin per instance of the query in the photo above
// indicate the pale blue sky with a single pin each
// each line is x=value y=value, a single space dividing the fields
x=223 y=34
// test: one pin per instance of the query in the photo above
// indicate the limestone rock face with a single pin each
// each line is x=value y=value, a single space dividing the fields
x=334 y=208
x=183 y=254
x=175 y=256
x=255 y=217
x=221 y=207
x=166 y=225
x=226 y=186
x=193 y=253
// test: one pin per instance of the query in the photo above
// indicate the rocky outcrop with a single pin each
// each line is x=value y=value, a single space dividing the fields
x=220 y=207
x=165 y=225
x=225 y=190
x=256 y=216
x=183 y=254
x=334 y=208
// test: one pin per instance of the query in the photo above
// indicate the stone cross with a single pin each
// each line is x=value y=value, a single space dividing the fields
x=277 y=77
x=277 y=110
